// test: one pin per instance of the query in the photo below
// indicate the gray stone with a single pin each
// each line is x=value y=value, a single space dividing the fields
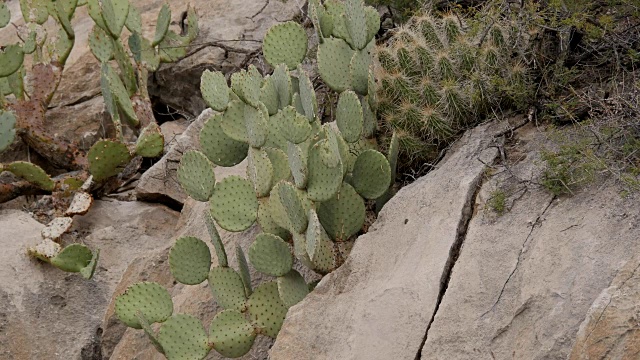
x=378 y=304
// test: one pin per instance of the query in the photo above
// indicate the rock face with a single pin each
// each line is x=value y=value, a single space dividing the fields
x=441 y=276
x=379 y=303
x=50 y=314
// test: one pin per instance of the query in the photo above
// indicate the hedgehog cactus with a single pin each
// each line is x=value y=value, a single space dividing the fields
x=306 y=184
x=437 y=78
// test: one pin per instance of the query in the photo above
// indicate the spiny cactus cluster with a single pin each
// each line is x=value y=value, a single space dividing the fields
x=438 y=76
x=306 y=183
x=23 y=104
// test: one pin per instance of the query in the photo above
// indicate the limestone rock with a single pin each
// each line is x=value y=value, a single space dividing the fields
x=48 y=313
x=378 y=304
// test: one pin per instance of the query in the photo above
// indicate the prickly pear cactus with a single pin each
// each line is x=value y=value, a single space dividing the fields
x=307 y=182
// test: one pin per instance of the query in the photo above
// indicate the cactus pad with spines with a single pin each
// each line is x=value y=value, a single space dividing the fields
x=215 y=239
x=356 y=22
x=336 y=10
x=266 y=219
x=32 y=173
x=72 y=258
x=343 y=215
x=233 y=121
x=285 y=43
x=324 y=181
x=190 y=260
x=295 y=127
x=334 y=59
x=114 y=13
x=120 y=92
x=11 y=58
x=150 y=142
x=100 y=44
x=88 y=271
x=196 y=175
x=150 y=298
x=218 y=147
x=269 y=254
x=234 y=204
x=107 y=158
x=7 y=128
x=231 y=334
x=214 y=89
x=183 y=337
x=162 y=24
x=298 y=163
x=227 y=288
x=282 y=82
x=260 y=171
x=34 y=10
x=245 y=275
x=371 y=174
x=308 y=97
x=146 y=326
x=280 y=164
x=5 y=15
x=293 y=206
x=269 y=95
x=266 y=309
x=349 y=117
x=256 y=123
x=318 y=245
x=292 y=288
x=134 y=20
x=359 y=69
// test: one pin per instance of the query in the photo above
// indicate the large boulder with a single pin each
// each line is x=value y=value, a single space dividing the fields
x=48 y=313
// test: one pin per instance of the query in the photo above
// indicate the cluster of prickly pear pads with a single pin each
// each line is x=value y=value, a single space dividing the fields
x=124 y=93
x=306 y=181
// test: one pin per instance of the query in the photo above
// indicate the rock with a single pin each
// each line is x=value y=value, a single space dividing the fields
x=610 y=330
x=171 y=130
x=48 y=313
x=378 y=304
x=160 y=182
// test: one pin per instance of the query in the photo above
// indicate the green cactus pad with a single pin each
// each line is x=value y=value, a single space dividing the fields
x=307 y=95
x=190 y=260
x=275 y=137
x=72 y=258
x=285 y=43
x=114 y=13
x=146 y=326
x=30 y=43
x=143 y=53
x=231 y=334
x=297 y=104
x=300 y=250
x=11 y=58
x=245 y=275
x=247 y=84
x=234 y=204
x=356 y=21
x=292 y=288
x=88 y=271
x=196 y=175
x=349 y=116
x=359 y=69
x=266 y=309
x=280 y=164
x=336 y=9
x=319 y=246
x=370 y=122
x=173 y=47
x=269 y=254
x=34 y=11
x=295 y=127
x=162 y=24
x=329 y=149
x=32 y=173
x=107 y=158
x=298 y=163
x=269 y=95
x=343 y=215
x=150 y=142
x=7 y=128
x=233 y=121
x=334 y=59
x=183 y=338
x=150 y=298
x=215 y=91
x=267 y=222
x=257 y=126
x=282 y=81
x=218 y=147
x=324 y=181
x=221 y=254
x=260 y=171
x=373 y=22
x=5 y=15
x=95 y=12
x=120 y=92
x=100 y=44
x=227 y=288
x=293 y=207
x=371 y=174
x=134 y=20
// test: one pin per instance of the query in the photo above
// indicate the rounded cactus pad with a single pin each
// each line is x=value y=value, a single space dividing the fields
x=32 y=173
x=119 y=92
x=150 y=142
x=293 y=206
x=356 y=21
x=5 y=15
x=343 y=215
x=196 y=175
x=215 y=239
x=373 y=22
x=292 y=288
x=298 y=164
x=162 y=24
x=266 y=309
x=7 y=128
x=234 y=204
x=183 y=338
x=295 y=127
x=100 y=44
x=190 y=260
x=280 y=163
x=324 y=181
x=318 y=245
x=269 y=254
x=260 y=171
x=233 y=121
x=214 y=89
x=11 y=58
x=359 y=69
x=114 y=13
x=72 y=258
x=267 y=222
x=218 y=147
x=269 y=95
x=371 y=174
x=285 y=43
x=150 y=298
x=227 y=288
x=307 y=95
x=245 y=275
x=231 y=334
x=300 y=250
x=349 y=116
x=334 y=59
x=256 y=123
